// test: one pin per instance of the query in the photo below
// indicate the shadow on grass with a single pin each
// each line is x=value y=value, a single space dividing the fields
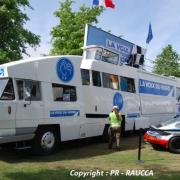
x=65 y=174
x=69 y=150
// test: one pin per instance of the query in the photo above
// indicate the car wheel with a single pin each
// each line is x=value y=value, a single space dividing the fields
x=46 y=141
x=174 y=145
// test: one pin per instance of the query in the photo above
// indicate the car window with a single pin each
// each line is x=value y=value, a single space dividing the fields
x=177 y=125
x=171 y=121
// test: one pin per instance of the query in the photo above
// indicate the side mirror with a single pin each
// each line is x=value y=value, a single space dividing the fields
x=27 y=98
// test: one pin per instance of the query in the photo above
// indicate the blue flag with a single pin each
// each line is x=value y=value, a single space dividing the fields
x=150 y=34
x=96 y=2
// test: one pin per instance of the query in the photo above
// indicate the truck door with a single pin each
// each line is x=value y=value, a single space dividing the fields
x=7 y=107
x=29 y=106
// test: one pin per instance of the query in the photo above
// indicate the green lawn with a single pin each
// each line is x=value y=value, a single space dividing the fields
x=86 y=157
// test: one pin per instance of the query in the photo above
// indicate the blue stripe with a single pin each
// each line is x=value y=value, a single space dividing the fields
x=64 y=113
x=155 y=88
x=133 y=115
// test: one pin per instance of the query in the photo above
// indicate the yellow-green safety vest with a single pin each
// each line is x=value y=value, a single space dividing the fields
x=114 y=121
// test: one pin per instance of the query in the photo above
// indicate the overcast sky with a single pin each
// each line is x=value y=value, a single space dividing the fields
x=130 y=18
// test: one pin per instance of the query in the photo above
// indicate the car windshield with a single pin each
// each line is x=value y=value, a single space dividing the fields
x=3 y=83
x=176 y=119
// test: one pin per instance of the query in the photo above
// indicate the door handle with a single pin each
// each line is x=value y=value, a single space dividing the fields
x=9 y=109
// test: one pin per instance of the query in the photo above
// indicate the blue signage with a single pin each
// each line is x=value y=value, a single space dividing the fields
x=64 y=113
x=1 y=72
x=133 y=115
x=99 y=37
x=118 y=100
x=65 y=69
x=155 y=88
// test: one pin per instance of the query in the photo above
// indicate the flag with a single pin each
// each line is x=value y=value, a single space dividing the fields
x=106 y=3
x=150 y=34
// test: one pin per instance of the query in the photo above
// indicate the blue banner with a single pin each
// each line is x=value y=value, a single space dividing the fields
x=64 y=113
x=99 y=37
x=155 y=88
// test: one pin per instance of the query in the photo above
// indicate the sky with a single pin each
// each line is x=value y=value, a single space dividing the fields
x=130 y=18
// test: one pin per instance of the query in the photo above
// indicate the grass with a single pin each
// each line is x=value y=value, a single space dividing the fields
x=86 y=156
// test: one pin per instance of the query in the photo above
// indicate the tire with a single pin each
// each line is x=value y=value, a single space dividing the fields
x=174 y=145
x=46 y=141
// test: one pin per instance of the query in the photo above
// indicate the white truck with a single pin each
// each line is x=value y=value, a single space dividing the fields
x=53 y=99
x=47 y=100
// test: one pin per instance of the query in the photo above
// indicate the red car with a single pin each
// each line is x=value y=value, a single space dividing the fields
x=166 y=135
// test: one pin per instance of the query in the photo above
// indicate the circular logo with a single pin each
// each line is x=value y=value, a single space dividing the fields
x=118 y=100
x=65 y=69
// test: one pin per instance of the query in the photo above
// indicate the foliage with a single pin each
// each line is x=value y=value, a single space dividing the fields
x=14 y=37
x=68 y=35
x=168 y=62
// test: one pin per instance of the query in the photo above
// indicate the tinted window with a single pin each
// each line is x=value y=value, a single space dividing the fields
x=85 y=77
x=127 y=84
x=96 y=78
x=110 y=81
x=64 y=93
x=33 y=87
x=110 y=57
x=177 y=125
x=8 y=93
x=94 y=53
x=178 y=94
x=28 y=88
x=20 y=89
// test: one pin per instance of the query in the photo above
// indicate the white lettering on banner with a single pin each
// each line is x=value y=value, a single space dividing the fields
x=154 y=85
x=118 y=47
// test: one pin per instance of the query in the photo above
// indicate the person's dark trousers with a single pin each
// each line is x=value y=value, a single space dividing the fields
x=114 y=135
x=111 y=138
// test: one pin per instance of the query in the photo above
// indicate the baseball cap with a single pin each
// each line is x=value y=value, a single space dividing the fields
x=115 y=107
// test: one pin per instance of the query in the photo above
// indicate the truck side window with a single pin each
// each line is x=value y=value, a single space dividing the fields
x=8 y=93
x=96 y=78
x=64 y=93
x=110 y=81
x=110 y=57
x=20 y=89
x=85 y=77
x=178 y=94
x=33 y=87
x=127 y=84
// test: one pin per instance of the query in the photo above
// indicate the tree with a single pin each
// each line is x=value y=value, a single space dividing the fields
x=14 y=38
x=168 y=62
x=68 y=35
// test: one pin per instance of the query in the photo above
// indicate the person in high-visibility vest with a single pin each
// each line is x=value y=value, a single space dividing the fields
x=115 y=119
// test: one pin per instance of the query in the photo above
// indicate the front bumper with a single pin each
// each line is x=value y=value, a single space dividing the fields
x=156 y=140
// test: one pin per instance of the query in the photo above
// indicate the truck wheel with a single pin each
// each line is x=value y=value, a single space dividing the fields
x=46 y=141
x=174 y=145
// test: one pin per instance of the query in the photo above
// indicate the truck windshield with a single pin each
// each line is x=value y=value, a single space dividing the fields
x=6 y=89
x=3 y=83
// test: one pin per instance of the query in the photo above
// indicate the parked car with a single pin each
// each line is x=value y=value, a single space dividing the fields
x=166 y=135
